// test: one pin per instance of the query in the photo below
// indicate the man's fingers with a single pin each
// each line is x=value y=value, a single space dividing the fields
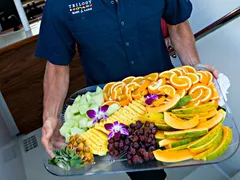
x=213 y=70
x=48 y=129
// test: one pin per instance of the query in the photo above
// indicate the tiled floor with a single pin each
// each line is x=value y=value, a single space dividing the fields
x=33 y=162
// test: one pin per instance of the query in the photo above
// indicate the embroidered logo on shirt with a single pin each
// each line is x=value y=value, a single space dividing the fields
x=81 y=7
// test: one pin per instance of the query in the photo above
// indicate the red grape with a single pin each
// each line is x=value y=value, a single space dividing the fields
x=140 y=160
x=132 y=150
x=154 y=130
x=126 y=148
x=153 y=142
x=135 y=138
x=141 y=131
x=151 y=125
x=142 y=138
x=151 y=136
x=147 y=123
x=127 y=141
x=149 y=140
x=139 y=124
x=151 y=155
x=135 y=145
x=132 y=126
x=116 y=145
x=121 y=145
x=135 y=159
x=111 y=140
x=110 y=147
x=145 y=156
x=111 y=153
x=151 y=148
x=129 y=156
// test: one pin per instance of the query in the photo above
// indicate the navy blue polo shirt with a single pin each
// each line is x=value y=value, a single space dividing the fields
x=115 y=40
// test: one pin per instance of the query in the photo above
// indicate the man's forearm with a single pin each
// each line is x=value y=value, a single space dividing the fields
x=56 y=82
x=184 y=43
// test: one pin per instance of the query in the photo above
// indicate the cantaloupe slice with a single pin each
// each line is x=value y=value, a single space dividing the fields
x=213 y=121
x=155 y=117
x=183 y=134
x=203 y=140
x=203 y=154
x=196 y=109
x=172 y=156
x=187 y=116
x=221 y=149
x=159 y=135
x=165 y=142
x=208 y=144
x=182 y=147
x=165 y=107
x=181 y=142
x=210 y=114
x=178 y=123
x=164 y=127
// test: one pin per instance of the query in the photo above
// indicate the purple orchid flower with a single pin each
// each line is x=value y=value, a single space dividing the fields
x=116 y=129
x=150 y=98
x=97 y=116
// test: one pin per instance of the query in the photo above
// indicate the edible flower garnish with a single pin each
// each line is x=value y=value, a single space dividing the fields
x=116 y=129
x=97 y=116
x=150 y=98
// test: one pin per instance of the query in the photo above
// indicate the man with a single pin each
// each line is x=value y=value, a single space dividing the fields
x=115 y=40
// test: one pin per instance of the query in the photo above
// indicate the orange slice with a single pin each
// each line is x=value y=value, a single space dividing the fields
x=153 y=87
x=215 y=95
x=192 y=104
x=144 y=85
x=177 y=71
x=196 y=94
x=189 y=69
x=203 y=77
x=180 y=82
x=210 y=77
x=124 y=102
x=184 y=71
x=167 y=90
x=207 y=91
x=117 y=90
x=160 y=101
x=136 y=94
x=152 y=77
x=128 y=80
x=122 y=97
x=107 y=90
x=144 y=92
x=181 y=92
x=166 y=74
x=215 y=102
x=109 y=103
x=138 y=80
x=131 y=87
x=194 y=77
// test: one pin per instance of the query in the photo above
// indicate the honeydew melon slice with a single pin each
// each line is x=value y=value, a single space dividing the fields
x=196 y=109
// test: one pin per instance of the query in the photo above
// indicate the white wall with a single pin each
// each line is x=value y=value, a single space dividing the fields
x=206 y=12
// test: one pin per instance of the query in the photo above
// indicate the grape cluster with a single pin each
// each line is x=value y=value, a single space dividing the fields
x=139 y=144
x=143 y=143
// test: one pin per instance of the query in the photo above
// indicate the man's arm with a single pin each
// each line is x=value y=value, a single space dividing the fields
x=56 y=82
x=183 y=42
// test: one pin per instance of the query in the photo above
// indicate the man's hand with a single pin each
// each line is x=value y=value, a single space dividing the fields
x=47 y=132
x=209 y=68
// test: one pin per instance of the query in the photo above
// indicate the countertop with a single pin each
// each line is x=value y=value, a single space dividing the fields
x=13 y=37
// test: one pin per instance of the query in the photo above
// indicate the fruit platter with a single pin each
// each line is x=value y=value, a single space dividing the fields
x=161 y=120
